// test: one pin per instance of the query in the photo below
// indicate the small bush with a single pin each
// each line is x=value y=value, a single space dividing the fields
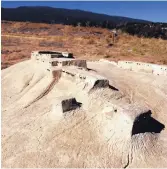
x=107 y=56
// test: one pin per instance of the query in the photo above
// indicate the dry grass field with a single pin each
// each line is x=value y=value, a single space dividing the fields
x=20 y=38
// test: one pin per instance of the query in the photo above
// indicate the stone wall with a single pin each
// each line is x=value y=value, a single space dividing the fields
x=53 y=59
x=72 y=69
x=143 y=67
x=60 y=59
x=85 y=79
x=139 y=67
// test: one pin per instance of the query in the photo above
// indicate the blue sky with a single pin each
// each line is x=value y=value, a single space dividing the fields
x=148 y=10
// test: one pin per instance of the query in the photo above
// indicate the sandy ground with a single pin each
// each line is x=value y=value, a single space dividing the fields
x=36 y=134
x=138 y=86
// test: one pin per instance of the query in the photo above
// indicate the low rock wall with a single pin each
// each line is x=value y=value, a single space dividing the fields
x=139 y=67
x=143 y=67
x=84 y=78
x=57 y=60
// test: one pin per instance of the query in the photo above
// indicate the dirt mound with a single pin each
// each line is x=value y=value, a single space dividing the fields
x=106 y=130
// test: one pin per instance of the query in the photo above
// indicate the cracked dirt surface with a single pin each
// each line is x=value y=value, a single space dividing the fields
x=91 y=136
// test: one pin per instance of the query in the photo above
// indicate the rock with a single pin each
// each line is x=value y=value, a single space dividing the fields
x=66 y=104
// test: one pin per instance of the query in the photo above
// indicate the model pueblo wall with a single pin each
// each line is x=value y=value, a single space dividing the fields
x=74 y=69
x=140 y=67
x=54 y=59
x=45 y=55
x=143 y=67
x=63 y=66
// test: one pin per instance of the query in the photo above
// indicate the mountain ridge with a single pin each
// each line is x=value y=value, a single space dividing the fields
x=60 y=15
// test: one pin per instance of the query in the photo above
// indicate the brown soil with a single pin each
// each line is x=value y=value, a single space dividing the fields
x=20 y=38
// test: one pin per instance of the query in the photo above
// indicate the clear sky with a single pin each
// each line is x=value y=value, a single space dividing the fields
x=148 y=10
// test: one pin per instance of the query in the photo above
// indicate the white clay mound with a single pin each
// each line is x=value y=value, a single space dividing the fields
x=100 y=125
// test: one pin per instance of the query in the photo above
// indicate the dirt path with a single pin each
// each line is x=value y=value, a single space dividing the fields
x=22 y=36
